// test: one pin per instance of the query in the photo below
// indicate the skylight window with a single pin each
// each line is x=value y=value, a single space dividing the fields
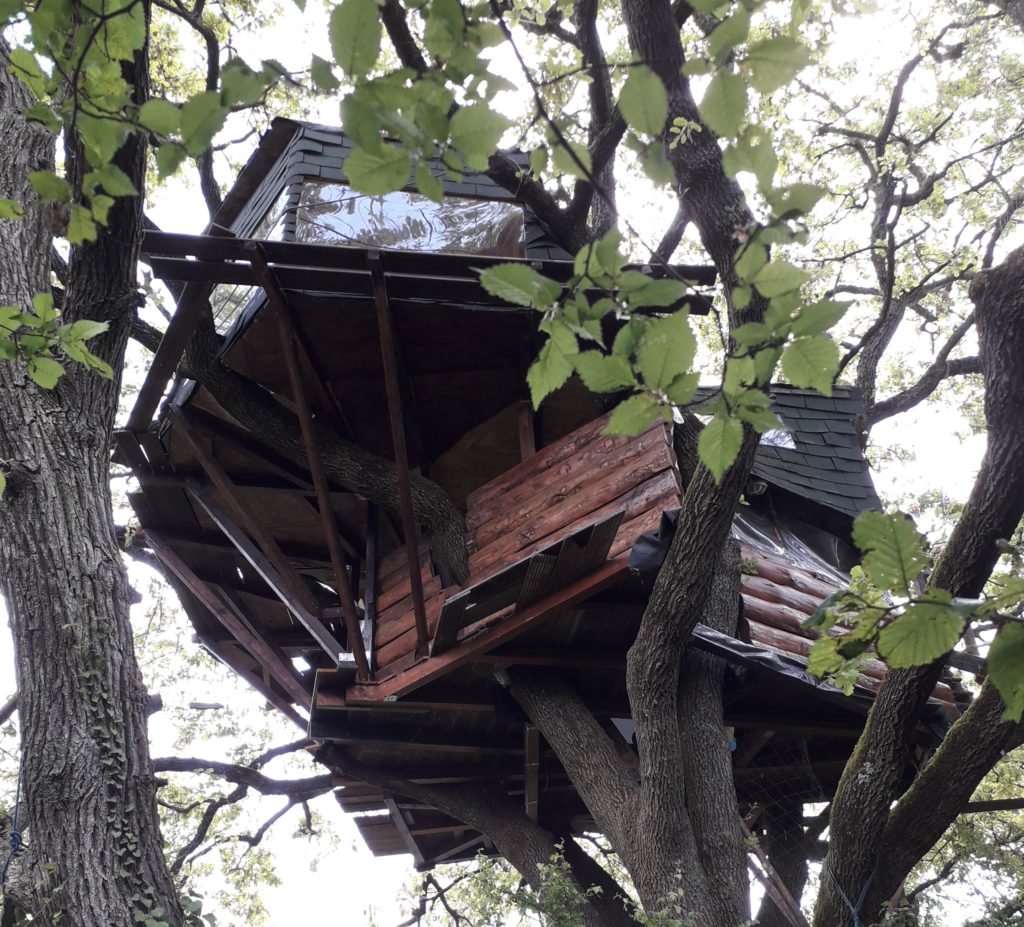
x=334 y=214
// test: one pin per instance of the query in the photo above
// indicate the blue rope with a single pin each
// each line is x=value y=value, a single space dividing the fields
x=854 y=908
x=15 y=840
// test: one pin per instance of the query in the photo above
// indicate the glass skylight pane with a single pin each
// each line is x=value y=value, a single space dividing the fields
x=333 y=214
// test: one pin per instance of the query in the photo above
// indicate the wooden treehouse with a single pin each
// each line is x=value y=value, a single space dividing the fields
x=364 y=313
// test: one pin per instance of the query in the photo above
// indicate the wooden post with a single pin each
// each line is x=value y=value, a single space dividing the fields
x=531 y=746
x=328 y=521
x=264 y=555
x=387 y=347
x=527 y=431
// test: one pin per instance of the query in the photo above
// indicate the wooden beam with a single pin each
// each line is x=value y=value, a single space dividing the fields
x=750 y=746
x=268 y=561
x=241 y=630
x=428 y=670
x=402 y=826
x=309 y=555
x=527 y=430
x=168 y=354
x=531 y=769
x=230 y=658
x=563 y=657
x=394 y=397
x=328 y=520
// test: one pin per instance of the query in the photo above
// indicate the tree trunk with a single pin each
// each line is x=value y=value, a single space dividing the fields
x=88 y=783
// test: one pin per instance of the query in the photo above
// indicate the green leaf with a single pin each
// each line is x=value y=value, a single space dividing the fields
x=667 y=350
x=44 y=371
x=724 y=104
x=380 y=171
x=538 y=161
x=1005 y=668
x=427 y=184
x=476 y=131
x=547 y=373
x=201 y=119
x=241 y=84
x=115 y=181
x=779 y=277
x=754 y=154
x=322 y=74
x=83 y=330
x=10 y=209
x=923 y=633
x=750 y=260
x=729 y=32
x=42 y=303
x=811 y=362
x=81 y=227
x=656 y=165
x=355 y=31
x=683 y=388
x=569 y=163
x=797 y=199
x=520 y=285
x=893 y=550
x=3 y=483
x=719 y=444
x=775 y=62
x=168 y=157
x=603 y=373
x=658 y=293
x=26 y=68
x=643 y=101
x=633 y=416
x=160 y=116
x=824 y=657
x=444 y=29
x=49 y=187
x=697 y=66
x=817 y=318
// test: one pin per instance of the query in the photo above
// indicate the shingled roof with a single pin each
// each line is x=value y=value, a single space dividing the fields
x=826 y=464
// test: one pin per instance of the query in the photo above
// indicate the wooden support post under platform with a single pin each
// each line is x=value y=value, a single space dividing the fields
x=262 y=650
x=402 y=826
x=328 y=521
x=531 y=746
x=392 y=387
x=527 y=430
x=264 y=555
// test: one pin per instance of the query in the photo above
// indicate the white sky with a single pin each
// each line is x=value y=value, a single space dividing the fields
x=345 y=883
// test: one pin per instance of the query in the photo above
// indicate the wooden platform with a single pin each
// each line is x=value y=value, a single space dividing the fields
x=550 y=531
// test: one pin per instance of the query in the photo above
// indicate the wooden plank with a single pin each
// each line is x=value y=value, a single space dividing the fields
x=527 y=429
x=541 y=567
x=531 y=770
x=406 y=642
x=767 y=590
x=412 y=263
x=632 y=503
x=398 y=618
x=269 y=574
x=429 y=670
x=244 y=632
x=190 y=304
x=402 y=826
x=571 y=497
x=450 y=622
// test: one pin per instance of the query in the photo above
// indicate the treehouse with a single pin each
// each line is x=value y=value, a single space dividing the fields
x=359 y=322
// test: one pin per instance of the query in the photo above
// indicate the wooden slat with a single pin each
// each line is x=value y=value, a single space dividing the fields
x=632 y=503
x=429 y=670
x=261 y=649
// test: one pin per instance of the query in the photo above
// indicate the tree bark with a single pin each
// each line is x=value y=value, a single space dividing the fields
x=88 y=783
x=860 y=814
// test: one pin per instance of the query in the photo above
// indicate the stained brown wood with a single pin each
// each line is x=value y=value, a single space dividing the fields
x=461 y=653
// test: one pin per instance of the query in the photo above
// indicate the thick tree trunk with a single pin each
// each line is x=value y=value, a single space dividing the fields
x=88 y=784
x=862 y=831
